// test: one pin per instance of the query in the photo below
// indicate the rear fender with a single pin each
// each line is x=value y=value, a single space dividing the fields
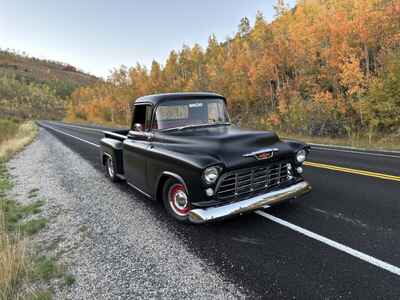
x=113 y=148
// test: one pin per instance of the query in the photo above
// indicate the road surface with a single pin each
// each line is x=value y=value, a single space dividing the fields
x=340 y=241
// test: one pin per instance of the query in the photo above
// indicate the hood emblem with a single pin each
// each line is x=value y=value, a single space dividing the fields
x=262 y=154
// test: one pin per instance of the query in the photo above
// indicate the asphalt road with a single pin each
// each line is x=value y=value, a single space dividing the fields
x=340 y=241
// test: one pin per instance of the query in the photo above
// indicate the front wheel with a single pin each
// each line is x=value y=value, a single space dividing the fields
x=176 y=200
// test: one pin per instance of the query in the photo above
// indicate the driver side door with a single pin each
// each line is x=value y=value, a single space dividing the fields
x=136 y=147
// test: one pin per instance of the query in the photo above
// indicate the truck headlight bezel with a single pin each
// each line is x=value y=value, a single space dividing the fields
x=211 y=174
x=301 y=156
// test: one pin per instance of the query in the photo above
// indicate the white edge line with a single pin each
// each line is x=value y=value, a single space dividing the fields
x=70 y=135
x=354 y=148
x=81 y=127
x=93 y=144
x=365 y=257
x=340 y=148
x=356 y=152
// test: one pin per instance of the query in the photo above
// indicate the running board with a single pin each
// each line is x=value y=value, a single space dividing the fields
x=120 y=176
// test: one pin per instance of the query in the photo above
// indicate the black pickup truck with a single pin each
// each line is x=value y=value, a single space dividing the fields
x=182 y=150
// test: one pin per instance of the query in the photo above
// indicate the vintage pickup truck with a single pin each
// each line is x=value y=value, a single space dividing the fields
x=183 y=151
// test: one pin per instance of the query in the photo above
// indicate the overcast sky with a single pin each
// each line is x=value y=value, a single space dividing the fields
x=97 y=35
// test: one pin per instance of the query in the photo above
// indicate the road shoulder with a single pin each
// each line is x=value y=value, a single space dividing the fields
x=110 y=241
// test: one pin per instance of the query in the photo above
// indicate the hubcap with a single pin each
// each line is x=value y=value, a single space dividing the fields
x=178 y=200
x=110 y=167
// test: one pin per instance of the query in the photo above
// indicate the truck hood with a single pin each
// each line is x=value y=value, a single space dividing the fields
x=225 y=144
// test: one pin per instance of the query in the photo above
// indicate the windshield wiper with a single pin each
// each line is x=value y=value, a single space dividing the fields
x=220 y=124
x=196 y=125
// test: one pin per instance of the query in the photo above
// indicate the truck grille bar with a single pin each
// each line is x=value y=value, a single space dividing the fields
x=241 y=183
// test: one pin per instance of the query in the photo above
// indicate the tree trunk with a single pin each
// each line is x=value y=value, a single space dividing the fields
x=366 y=57
x=272 y=96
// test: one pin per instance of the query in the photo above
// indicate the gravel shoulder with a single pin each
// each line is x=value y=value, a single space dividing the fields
x=109 y=239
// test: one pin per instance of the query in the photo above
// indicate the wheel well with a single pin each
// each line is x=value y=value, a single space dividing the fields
x=104 y=159
x=105 y=156
x=162 y=182
x=160 y=186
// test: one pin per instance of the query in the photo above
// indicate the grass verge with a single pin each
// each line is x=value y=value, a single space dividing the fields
x=15 y=136
x=19 y=267
x=12 y=260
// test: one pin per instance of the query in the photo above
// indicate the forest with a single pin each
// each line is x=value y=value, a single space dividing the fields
x=323 y=68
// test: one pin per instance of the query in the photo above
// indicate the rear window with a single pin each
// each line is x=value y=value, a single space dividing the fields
x=173 y=112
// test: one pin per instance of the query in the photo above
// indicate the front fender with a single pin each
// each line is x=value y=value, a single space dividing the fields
x=297 y=145
x=186 y=168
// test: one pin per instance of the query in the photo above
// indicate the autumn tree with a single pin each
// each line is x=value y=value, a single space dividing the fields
x=323 y=67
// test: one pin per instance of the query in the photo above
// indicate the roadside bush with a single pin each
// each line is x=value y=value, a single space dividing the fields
x=8 y=128
x=28 y=100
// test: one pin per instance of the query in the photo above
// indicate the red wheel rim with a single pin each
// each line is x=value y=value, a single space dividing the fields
x=178 y=200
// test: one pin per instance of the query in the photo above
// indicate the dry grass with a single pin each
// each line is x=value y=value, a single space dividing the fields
x=25 y=134
x=13 y=257
x=8 y=128
x=12 y=261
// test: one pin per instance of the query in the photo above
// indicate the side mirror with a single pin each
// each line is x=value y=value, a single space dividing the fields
x=138 y=127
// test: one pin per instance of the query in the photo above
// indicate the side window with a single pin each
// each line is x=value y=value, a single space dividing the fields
x=142 y=115
x=213 y=113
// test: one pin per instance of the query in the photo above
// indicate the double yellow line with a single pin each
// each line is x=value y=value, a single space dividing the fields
x=352 y=171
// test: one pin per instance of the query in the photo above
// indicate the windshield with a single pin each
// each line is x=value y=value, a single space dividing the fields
x=179 y=114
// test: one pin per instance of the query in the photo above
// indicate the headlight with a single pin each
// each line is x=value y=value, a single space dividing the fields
x=210 y=175
x=301 y=156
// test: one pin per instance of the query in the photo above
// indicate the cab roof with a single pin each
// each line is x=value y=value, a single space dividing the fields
x=157 y=98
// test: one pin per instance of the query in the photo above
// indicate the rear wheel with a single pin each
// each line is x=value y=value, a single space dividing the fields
x=110 y=169
x=176 y=200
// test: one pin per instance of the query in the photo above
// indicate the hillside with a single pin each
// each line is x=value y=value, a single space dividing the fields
x=60 y=76
x=32 y=88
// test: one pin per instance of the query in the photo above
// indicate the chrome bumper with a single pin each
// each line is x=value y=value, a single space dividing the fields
x=201 y=215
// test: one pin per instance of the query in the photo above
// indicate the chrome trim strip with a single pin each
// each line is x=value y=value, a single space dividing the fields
x=200 y=215
x=115 y=134
x=139 y=190
x=260 y=151
x=145 y=134
x=107 y=154
x=102 y=157
x=122 y=177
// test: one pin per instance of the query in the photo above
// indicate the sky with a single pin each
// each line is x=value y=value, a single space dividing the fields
x=99 y=35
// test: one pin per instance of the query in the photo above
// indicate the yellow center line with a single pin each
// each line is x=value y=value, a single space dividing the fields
x=352 y=171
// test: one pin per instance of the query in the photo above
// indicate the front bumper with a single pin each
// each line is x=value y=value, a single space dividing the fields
x=202 y=215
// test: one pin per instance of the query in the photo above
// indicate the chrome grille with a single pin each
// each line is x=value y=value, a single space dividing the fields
x=241 y=183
